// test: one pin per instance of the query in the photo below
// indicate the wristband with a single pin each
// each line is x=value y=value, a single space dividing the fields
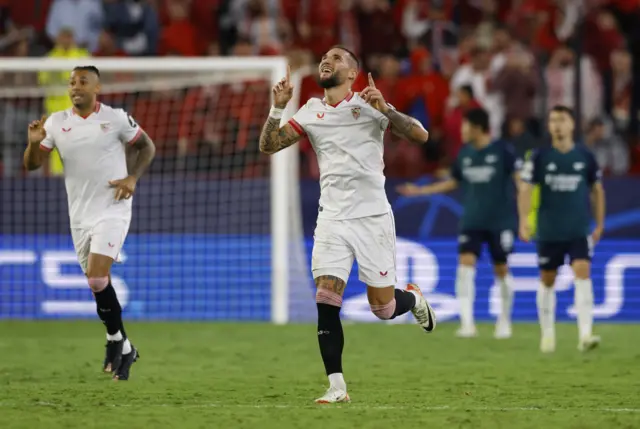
x=275 y=112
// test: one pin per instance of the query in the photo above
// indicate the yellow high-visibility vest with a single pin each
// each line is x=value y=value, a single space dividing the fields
x=58 y=99
x=535 y=204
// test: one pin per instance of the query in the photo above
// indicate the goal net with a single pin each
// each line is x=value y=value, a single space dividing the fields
x=216 y=232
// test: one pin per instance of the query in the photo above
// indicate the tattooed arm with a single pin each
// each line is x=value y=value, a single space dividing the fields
x=406 y=127
x=402 y=125
x=273 y=138
x=145 y=151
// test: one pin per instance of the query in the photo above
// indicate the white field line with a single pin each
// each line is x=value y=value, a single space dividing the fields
x=345 y=406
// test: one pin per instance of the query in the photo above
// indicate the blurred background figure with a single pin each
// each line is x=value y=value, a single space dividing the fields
x=56 y=84
x=609 y=149
x=134 y=24
x=84 y=18
x=434 y=59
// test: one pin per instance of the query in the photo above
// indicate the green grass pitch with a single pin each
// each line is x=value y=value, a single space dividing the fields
x=231 y=376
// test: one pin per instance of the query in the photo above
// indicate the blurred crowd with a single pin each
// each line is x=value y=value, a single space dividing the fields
x=433 y=59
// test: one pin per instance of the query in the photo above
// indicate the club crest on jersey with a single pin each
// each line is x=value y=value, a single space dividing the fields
x=105 y=127
x=355 y=112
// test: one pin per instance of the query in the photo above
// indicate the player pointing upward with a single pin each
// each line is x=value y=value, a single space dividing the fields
x=92 y=139
x=567 y=176
x=355 y=221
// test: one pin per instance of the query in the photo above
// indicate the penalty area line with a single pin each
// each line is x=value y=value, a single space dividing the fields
x=355 y=406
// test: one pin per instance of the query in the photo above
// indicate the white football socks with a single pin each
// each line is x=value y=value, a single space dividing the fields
x=466 y=293
x=506 y=296
x=583 y=300
x=337 y=380
x=115 y=337
x=126 y=346
x=546 y=303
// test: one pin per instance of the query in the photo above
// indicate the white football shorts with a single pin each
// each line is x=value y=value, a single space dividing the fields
x=104 y=238
x=369 y=240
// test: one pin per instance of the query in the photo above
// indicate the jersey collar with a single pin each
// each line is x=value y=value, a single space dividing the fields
x=345 y=99
x=96 y=110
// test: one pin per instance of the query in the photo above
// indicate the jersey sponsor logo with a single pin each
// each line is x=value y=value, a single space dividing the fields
x=355 y=112
x=479 y=174
x=320 y=115
x=563 y=182
x=66 y=130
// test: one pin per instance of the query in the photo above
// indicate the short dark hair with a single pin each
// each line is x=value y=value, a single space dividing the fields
x=559 y=108
x=478 y=117
x=90 y=69
x=468 y=89
x=350 y=52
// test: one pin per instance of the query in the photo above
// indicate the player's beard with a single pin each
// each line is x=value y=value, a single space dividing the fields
x=330 y=82
x=83 y=103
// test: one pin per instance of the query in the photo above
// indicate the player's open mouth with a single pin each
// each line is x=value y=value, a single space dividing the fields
x=326 y=70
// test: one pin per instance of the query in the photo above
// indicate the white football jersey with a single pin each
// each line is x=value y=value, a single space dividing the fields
x=348 y=141
x=92 y=150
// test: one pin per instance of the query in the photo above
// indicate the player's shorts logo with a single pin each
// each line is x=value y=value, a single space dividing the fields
x=355 y=112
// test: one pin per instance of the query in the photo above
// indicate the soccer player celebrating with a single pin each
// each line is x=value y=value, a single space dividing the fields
x=355 y=220
x=567 y=176
x=93 y=140
x=486 y=171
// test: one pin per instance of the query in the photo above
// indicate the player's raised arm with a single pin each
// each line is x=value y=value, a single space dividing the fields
x=402 y=125
x=36 y=152
x=274 y=138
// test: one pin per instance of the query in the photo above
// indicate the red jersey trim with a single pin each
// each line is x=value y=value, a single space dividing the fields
x=297 y=127
x=44 y=148
x=95 y=110
x=347 y=98
x=136 y=137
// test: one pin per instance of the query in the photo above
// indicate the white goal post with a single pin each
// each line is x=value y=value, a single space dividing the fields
x=289 y=264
